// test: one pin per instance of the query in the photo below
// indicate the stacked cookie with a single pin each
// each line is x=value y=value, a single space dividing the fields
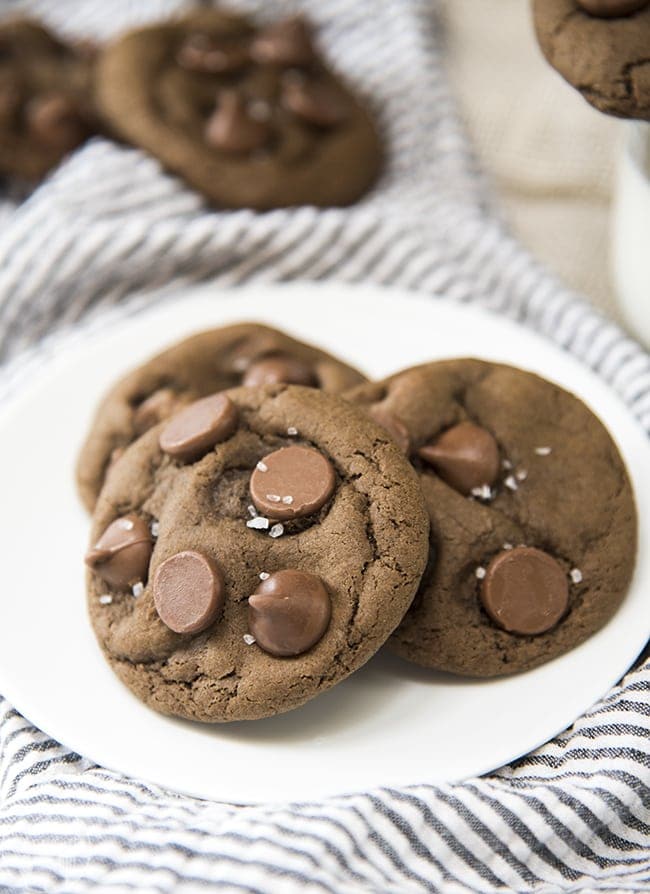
x=249 y=116
x=265 y=520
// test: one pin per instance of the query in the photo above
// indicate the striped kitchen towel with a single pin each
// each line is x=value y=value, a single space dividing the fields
x=574 y=815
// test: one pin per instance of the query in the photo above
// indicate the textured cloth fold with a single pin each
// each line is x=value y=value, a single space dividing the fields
x=572 y=816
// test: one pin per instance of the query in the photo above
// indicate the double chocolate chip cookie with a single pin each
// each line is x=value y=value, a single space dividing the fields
x=601 y=48
x=46 y=106
x=248 y=354
x=533 y=522
x=248 y=117
x=253 y=551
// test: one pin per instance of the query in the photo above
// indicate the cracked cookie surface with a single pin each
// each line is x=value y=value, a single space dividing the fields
x=249 y=118
x=606 y=59
x=367 y=543
x=201 y=364
x=561 y=488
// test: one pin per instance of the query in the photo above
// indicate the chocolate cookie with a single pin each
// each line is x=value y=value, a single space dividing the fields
x=601 y=48
x=252 y=552
x=250 y=118
x=46 y=106
x=533 y=523
x=248 y=354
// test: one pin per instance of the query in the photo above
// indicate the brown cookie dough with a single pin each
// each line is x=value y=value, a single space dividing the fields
x=560 y=489
x=603 y=55
x=249 y=118
x=326 y=589
x=46 y=102
x=248 y=353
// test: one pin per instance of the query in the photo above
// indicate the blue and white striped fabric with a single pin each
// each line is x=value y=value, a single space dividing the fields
x=573 y=816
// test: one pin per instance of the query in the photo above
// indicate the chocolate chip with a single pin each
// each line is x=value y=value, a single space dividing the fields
x=525 y=591
x=121 y=555
x=465 y=456
x=194 y=431
x=232 y=128
x=314 y=101
x=55 y=120
x=609 y=9
x=280 y=369
x=292 y=482
x=393 y=425
x=158 y=406
x=286 y=43
x=289 y=612
x=201 y=52
x=188 y=592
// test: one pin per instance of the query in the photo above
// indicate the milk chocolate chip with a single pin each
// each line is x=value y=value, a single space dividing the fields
x=188 y=592
x=314 y=101
x=194 y=431
x=393 y=425
x=232 y=128
x=55 y=120
x=610 y=9
x=286 y=43
x=279 y=369
x=525 y=591
x=121 y=555
x=289 y=612
x=201 y=52
x=292 y=482
x=158 y=406
x=465 y=456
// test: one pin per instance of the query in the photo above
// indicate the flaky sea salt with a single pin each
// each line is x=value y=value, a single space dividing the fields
x=276 y=530
x=511 y=482
x=543 y=451
x=508 y=546
x=292 y=431
x=155 y=528
x=521 y=474
x=248 y=639
x=106 y=599
x=252 y=511
x=480 y=572
x=259 y=523
x=576 y=575
x=264 y=575
x=273 y=498
x=137 y=589
x=506 y=464
x=262 y=467
x=288 y=500
x=484 y=492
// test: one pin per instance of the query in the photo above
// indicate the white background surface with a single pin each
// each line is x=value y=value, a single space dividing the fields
x=391 y=723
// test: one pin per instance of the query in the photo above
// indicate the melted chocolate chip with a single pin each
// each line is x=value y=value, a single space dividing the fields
x=525 y=591
x=393 y=425
x=292 y=482
x=232 y=128
x=192 y=432
x=289 y=612
x=188 y=592
x=121 y=555
x=55 y=120
x=158 y=406
x=279 y=369
x=465 y=456
x=314 y=101
x=286 y=43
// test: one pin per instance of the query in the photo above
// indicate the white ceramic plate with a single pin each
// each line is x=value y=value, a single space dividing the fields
x=391 y=723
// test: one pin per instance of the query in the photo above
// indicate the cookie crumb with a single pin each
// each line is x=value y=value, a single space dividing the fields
x=576 y=575
x=276 y=530
x=264 y=575
x=259 y=523
x=511 y=483
x=480 y=572
x=288 y=500
x=521 y=474
x=106 y=599
x=292 y=431
x=273 y=498
x=155 y=528
x=137 y=589
x=543 y=451
x=262 y=467
x=484 y=492
x=248 y=639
